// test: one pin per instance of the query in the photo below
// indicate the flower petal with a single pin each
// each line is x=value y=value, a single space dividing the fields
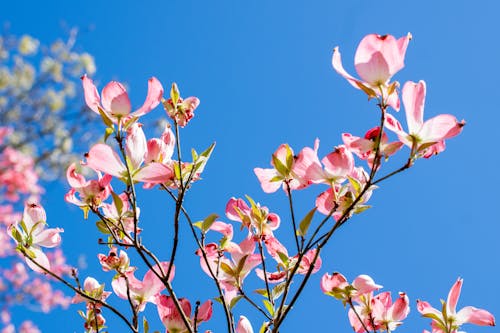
x=102 y=157
x=115 y=99
x=91 y=95
x=155 y=94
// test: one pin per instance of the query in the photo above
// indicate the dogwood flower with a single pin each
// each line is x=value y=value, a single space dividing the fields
x=115 y=101
x=448 y=320
x=422 y=136
x=31 y=235
x=171 y=318
x=377 y=59
x=143 y=291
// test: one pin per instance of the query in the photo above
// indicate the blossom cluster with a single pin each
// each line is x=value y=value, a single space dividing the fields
x=127 y=160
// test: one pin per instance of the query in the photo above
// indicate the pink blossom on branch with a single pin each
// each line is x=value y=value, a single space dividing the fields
x=30 y=235
x=377 y=59
x=171 y=318
x=115 y=101
x=424 y=138
x=448 y=320
x=143 y=291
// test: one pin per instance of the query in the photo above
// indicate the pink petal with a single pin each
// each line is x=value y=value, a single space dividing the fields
x=441 y=127
x=364 y=284
x=329 y=282
x=378 y=58
x=115 y=99
x=265 y=176
x=414 y=100
x=155 y=94
x=75 y=180
x=33 y=213
x=472 y=315
x=453 y=296
x=48 y=238
x=244 y=326
x=103 y=158
x=231 y=211
x=392 y=124
x=337 y=65
x=325 y=202
x=154 y=173
x=425 y=308
x=375 y=71
x=338 y=163
x=401 y=308
x=91 y=95
x=205 y=311
x=40 y=259
x=136 y=145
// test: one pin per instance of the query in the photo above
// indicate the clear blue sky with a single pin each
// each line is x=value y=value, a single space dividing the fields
x=262 y=70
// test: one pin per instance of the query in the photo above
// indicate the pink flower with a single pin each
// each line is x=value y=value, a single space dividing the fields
x=297 y=171
x=143 y=291
x=178 y=109
x=31 y=234
x=114 y=262
x=336 y=285
x=102 y=157
x=364 y=147
x=449 y=317
x=256 y=218
x=422 y=137
x=244 y=325
x=91 y=192
x=377 y=59
x=171 y=318
x=93 y=289
x=115 y=101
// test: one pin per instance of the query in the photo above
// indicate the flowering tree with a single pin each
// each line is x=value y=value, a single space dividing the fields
x=37 y=83
x=126 y=159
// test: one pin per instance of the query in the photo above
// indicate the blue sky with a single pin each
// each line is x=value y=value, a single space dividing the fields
x=262 y=70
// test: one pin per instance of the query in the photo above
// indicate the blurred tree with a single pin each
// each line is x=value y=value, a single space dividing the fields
x=40 y=102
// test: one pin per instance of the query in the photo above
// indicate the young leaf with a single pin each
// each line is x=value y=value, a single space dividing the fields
x=207 y=222
x=306 y=223
x=269 y=307
x=118 y=202
x=280 y=167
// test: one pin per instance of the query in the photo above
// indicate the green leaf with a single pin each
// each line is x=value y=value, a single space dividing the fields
x=17 y=235
x=355 y=184
x=118 y=203
x=289 y=157
x=269 y=307
x=306 y=223
x=280 y=167
x=105 y=118
x=107 y=132
x=227 y=269
x=174 y=94
x=262 y=292
x=86 y=210
x=207 y=222
x=194 y=154
x=234 y=301
x=198 y=225
x=207 y=152
x=278 y=290
x=241 y=264
x=361 y=208
x=284 y=258
x=263 y=328
x=101 y=226
x=145 y=324
x=129 y=122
